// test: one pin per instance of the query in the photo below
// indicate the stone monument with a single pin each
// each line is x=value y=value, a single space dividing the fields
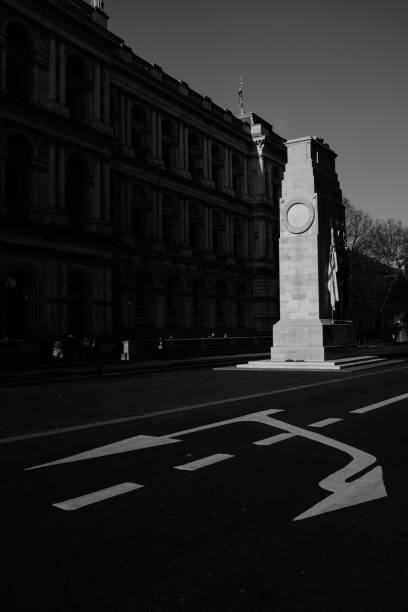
x=310 y=332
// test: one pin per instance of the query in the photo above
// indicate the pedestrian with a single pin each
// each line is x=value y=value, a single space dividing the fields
x=97 y=357
x=57 y=351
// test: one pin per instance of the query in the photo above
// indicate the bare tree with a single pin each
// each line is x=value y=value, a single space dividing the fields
x=390 y=245
x=359 y=229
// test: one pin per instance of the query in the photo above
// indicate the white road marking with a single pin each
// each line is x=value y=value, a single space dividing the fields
x=324 y=422
x=97 y=496
x=204 y=462
x=368 y=487
x=391 y=400
x=118 y=421
x=123 y=446
x=274 y=439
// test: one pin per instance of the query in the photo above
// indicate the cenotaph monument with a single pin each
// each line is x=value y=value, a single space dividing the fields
x=311 y=333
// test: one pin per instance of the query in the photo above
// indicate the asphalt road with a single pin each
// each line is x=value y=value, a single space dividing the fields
x=207 y=491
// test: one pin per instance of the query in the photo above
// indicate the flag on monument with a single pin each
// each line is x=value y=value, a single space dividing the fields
x=241 y=98
x=332 y=274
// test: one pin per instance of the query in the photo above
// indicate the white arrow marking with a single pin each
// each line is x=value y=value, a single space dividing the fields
x=364 y=489
x=123 y=446
x=140 y=442
x=370 y=486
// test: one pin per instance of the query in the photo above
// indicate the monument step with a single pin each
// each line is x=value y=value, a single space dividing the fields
x=337 y=364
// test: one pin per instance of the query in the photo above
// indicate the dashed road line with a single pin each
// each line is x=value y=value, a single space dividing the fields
x=324 y=422
x=204 y=462
x=391 y=400
x=97 y=496
x=274 y=439
x=156 y=413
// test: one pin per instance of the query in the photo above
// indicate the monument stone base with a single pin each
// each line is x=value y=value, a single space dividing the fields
x=312 y=340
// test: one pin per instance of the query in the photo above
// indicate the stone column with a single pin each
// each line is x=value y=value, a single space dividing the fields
x=129 y=121
x=61 y=177
x=61 y=73
x=106 y=95
x=52 y=70
x=106 y=190
x=209 y=230
x=186 y=222
x=205 y=159
x=154 y=214
x=245 y=176
x=2 y=178
x=35 y=93
x=186 y=147
x=128 y=209
x=122 y=119
x=159 y=215
x=227 y=176
x=159 y=135
x=181 y=223
x=245 y=246
x=123 y=205
x=96 y=195
x=51 y=176
x=206 y=231
x=3 y=64
x=153 y=134
x=180 y=150
x=97 y=91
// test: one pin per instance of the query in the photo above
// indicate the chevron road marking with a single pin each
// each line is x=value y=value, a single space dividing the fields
x=367 y=487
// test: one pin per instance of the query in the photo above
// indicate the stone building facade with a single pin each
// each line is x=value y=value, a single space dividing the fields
x=129 y=204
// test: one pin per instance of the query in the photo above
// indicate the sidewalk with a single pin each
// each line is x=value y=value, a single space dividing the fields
x=75 y=372
x=56 y=372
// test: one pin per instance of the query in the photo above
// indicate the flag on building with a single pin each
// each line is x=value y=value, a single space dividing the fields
x=241 y=97
x=332 y=273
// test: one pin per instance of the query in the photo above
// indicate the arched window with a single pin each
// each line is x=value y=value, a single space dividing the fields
x=236 y=174
x=217 y=166
x=19 y=60
x=140 y=126
x=140 y=213
x=77 y=303
x=174 y=302
x=18 y=169
x=217 y=233
x=195 y=227
x=18 y=305
x=76 y=178
x=169 y=144
x=76 y=85
x=195 y=156
x=169 y=217
x=198 y=303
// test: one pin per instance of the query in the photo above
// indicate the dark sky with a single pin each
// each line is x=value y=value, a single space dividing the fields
x=311 y=67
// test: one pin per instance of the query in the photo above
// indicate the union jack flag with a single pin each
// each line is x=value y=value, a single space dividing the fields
x=332 y=273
